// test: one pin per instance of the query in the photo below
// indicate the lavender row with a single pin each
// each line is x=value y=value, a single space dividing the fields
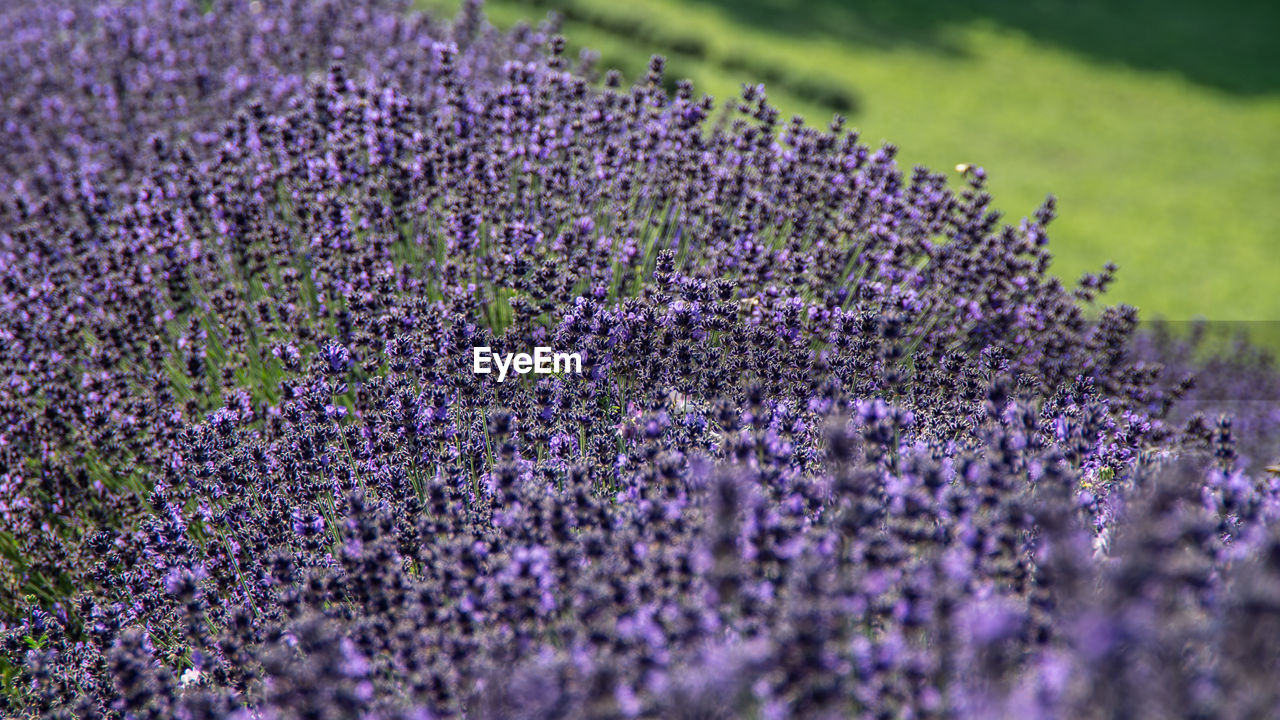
x=840 y=445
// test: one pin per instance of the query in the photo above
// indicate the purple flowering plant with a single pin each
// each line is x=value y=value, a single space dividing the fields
x=841 y=446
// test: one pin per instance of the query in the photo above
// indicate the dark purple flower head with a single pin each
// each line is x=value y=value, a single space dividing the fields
x=336 y=357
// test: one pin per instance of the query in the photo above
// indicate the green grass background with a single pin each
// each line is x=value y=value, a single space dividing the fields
x=1157 y=124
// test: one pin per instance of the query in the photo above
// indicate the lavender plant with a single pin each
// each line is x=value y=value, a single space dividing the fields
x=841 y=445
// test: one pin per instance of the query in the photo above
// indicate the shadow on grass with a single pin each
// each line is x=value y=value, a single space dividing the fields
x=679 y=46
x=1229 y=45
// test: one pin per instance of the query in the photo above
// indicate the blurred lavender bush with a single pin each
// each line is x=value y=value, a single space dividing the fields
x=842 y=448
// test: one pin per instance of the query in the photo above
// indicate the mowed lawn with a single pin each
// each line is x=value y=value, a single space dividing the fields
x=1157 y=124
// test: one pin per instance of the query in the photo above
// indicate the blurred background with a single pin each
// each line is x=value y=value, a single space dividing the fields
x=1156 y=123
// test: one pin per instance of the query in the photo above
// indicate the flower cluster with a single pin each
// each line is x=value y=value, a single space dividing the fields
x=840 y=446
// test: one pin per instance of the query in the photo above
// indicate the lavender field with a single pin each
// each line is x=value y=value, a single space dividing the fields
x=839 y=445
